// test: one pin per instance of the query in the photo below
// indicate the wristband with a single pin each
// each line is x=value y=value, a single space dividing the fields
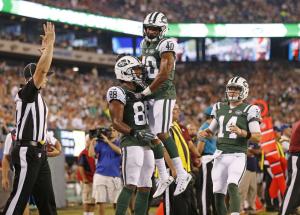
x=248 y=135
x=146 y=91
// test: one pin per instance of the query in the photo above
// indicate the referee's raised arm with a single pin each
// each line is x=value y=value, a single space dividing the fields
x=45 y=60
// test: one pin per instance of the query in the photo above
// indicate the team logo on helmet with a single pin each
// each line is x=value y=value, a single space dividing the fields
x=125 y=70
x=122 y=63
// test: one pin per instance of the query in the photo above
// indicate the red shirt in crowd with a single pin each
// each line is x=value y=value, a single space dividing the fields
x=295 y=138
x=88 y=164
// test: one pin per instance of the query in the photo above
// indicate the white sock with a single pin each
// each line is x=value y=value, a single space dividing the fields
x=90 y=213
x=178 y=166
x=86 y=213
x=235 y=213
x=161 y=166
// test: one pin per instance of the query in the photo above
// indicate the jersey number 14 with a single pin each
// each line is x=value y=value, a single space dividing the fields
x=222 y=127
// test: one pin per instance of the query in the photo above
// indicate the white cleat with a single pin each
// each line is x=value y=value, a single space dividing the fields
x=182 y=182
x=162 y=185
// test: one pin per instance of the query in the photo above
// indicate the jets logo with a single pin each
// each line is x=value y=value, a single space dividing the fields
x=122 y=63
x=164 y=20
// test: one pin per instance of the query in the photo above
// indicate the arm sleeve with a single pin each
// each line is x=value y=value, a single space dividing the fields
x=28 y=92
x=213 y=126
x=168 y=45
x=7 y=144
x=116 y=93
x=254 y=127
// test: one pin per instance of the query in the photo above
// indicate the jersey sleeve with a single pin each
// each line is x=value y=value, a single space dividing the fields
x=254 y=114
x=216 y=106
x=116 y=93
x=167 y=45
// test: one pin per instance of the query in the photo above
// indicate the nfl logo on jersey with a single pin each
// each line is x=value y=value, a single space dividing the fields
x=238 y=112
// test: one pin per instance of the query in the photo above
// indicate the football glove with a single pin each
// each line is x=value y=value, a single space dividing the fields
x=144 y=136
x=138 y=96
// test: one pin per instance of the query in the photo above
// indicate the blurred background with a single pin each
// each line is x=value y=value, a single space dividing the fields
x=218 y=39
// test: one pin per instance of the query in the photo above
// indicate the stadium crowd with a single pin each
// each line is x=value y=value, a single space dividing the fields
x=73 y=107
x=222 y=11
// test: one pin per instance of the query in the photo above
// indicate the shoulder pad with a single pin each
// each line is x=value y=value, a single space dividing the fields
x=253 y=113
x=215 y=108
x=167 y=45
x=116 y=93
x=142 y=43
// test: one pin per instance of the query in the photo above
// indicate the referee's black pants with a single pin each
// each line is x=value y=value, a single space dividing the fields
x=32 y=176
x=292 y=194
x=204 y=190
x=181 y=204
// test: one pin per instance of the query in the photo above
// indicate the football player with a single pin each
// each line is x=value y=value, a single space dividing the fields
x=237 y=122
x=159 y=59
x=129 y=118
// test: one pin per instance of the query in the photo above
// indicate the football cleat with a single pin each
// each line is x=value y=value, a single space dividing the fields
x=162 y=185
x=182 y=182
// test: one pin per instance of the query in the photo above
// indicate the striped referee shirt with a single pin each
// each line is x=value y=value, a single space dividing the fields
x=31 y=114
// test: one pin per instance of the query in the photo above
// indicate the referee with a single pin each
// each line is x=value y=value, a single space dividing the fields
x=291 y=198
x=32 y=172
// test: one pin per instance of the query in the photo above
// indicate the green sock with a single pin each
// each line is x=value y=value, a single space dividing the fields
x=158 y=151
x=220 y=204
x=171 y=147
x=234 y=198
x=141 y=203
x=123 y=201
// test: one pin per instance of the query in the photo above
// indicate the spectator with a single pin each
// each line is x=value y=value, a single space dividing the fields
x=86 y=170
x=191 y=11
x=248 y=186
x=107 y=183
x=285 y=138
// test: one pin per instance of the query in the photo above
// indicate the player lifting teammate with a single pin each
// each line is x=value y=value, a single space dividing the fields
x=128 y=117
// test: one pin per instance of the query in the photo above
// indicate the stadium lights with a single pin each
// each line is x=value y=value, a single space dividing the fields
x=26 y=8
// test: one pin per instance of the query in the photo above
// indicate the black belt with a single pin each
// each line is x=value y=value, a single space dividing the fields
x=29 y=143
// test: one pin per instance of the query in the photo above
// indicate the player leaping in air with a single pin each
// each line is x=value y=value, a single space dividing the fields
x=159 y=59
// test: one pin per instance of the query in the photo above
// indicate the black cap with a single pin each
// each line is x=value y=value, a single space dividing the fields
x=29 y=70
